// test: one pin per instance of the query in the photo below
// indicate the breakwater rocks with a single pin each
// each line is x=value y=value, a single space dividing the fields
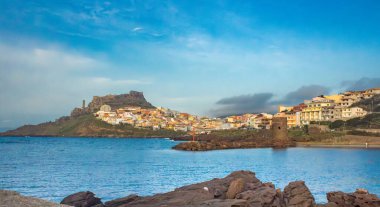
x=250 y=139
x=277 y=137
x=219 y=144
x=239 y=189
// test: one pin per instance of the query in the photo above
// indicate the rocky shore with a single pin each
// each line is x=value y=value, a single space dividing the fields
x=239 y=189
x=14 y=199
x=205 y=142
x=219 y=144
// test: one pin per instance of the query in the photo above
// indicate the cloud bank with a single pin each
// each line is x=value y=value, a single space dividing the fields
x=265 y=102
x=361 y=84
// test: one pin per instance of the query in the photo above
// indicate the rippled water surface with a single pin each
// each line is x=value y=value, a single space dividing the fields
x=52 y=168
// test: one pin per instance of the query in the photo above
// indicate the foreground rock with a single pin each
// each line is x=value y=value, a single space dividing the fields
x=122 y=201
x=359 y=198
x=14 y=199
x=239 y=189
x=243 y=189
x=82 y=199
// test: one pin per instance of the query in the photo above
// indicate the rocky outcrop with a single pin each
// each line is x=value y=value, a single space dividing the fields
x=243 y=189
x=219 y=144
x=239 y=189
x=133 y=98
x=14 y=199
x=253 y=139
x=121 y=201
x=296 y=194
x=360 y=198
x=236 y=186
x=82 y=199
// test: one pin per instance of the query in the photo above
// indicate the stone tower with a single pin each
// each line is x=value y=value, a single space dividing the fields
x=280 y=132
x=84 y=104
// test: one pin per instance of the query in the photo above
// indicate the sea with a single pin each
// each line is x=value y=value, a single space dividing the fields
x=52 y=168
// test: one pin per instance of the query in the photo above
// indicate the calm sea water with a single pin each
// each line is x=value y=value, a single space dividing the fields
x=52 y=168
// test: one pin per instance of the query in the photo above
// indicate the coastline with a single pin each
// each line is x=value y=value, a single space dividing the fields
x=326 y=145
x=186 y=138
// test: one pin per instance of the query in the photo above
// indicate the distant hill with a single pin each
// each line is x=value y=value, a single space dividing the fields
x=86 y=126
x=133 y=98
x=82 y=123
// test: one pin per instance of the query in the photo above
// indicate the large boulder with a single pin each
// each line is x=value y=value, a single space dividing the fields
x=264 y=195
x=360 y=198
x=82 y=199
x=200 y=194
x=223 y=203
x=15 y=199
x=120 y=202
x=236 y=186
x=296 y=194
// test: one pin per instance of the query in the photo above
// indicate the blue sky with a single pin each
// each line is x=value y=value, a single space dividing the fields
x=203 y=57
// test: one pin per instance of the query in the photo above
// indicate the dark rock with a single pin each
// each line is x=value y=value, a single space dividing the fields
x=264 y=195
x=223 y=203
x=196 y=195
x=244 y=189
x=82 y=199
x=15 y=199
x=296 y=194
x=78 y=112
x=261 y=138
x=360 y=198
x=329 y=204
x=236 y=187
x=218 y=193
x=121 y=201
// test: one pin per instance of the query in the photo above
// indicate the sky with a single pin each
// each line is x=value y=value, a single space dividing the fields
x=209 y=58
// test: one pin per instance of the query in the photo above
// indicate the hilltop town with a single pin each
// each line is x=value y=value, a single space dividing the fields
x=324 y=108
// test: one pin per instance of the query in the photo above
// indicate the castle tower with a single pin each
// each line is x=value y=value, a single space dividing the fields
x=84 y=104
x=280 y=132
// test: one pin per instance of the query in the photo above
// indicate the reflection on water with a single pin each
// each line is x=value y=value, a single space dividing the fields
x=52 y=168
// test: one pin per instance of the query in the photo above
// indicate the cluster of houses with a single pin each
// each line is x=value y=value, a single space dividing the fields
x=321 y=108
x=327 y=108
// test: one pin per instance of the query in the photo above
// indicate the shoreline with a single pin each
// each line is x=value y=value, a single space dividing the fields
x=346 y=146
x=184 y=139
x=103 y=137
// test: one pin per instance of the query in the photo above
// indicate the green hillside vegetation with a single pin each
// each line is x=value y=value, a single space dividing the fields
x=298 y=135
x=87 y=126
x=371 y=121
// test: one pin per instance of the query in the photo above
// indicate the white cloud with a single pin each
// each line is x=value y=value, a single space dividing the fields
x=136 y=29
x=50 y=81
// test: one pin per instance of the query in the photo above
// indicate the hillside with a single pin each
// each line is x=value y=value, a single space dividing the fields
x=86 y=126
x=371 y=104
x=371 y=120
x=82 y=123
x=133 y=98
